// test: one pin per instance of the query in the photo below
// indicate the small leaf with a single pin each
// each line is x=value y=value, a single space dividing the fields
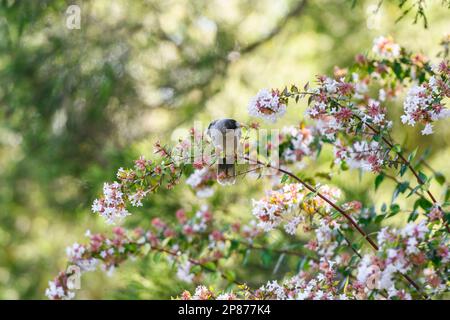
x=210 y=266
x=413 y=191
x=423 y=203
x=379 y=218
x=344 y=166
x=284 y=178
x=422 y=178
x=230 y=275
x=412 y=154
x=266 y=257
x=196 y=269
x=279 y=262
x=394 y=208
x=403 y=169
x=378 y=180
x=401 y=188
x=413 y=216
x=397 y=148
x=301 y=265
x=440 y=178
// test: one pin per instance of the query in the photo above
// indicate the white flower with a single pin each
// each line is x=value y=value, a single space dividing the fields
x=428 y=129
x=412 y=246
x=420 y=106
x=386 y=48
x=75 y=252
x=226 y=296
x=112 y=205
x=267 y=105
x=55 y=291
x=382 y=95
x=291 y=227
x=205 y=192
x=387 y=277
x=330 y=85
x=136 y=198
x=184 y=272
x=197 y=177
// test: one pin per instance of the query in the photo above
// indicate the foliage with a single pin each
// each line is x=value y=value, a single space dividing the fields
x=349 y=111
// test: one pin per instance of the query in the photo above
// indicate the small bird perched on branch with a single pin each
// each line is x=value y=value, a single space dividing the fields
x=225 y=135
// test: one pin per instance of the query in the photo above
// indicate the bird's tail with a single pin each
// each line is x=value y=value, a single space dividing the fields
x=226 y=173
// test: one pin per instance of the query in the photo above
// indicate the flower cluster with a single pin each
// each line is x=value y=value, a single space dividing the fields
x=112 y=205
x=297 y=143
x=175 y=240
x=268 y=105
x=321 y=283
x=103 y=251
x=365 y=155
x=201 y=181
x=406 y=251
x=135 y=184
x=193 y=150
x=275 y=207
x=404 y=263
x=423 y=102
x=284 y=206
x=386 y=48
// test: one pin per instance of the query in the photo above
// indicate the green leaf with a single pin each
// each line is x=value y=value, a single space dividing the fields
x=211 y=266
x=301 y=265
x=397 y=68
x=423 y=203
x=394 y=209
x=230 y=275
x=284 y=178
x=397 y=148
x=447 y=217
x=379 y=218
x=378 y=180
x=278 y=264
x=413 y=216
x=440 y=178
x=266 y=257
x=403 y=169
x=196 y=269
x=346 y=284
x=412 y=154
x=401 y=188
x=413 y=191
x=422 y=178
x=157 y=257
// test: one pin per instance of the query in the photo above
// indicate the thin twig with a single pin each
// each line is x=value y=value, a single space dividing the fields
x=341 y=211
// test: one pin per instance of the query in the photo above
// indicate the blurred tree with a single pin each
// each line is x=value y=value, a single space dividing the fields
x=76 y=104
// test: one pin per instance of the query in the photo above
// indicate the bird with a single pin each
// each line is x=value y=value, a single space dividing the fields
x=225 y=135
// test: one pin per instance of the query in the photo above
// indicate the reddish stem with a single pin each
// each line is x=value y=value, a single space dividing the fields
x=340 y=210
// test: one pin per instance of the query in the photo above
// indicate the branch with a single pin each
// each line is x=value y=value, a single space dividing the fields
x=338 y=209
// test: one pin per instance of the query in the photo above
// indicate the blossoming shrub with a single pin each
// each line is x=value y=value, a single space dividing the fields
x=349 y=252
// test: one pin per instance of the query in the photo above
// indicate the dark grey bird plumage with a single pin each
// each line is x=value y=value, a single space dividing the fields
x=225 y=135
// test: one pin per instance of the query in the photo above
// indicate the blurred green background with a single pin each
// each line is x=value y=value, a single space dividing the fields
x=75 y=105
